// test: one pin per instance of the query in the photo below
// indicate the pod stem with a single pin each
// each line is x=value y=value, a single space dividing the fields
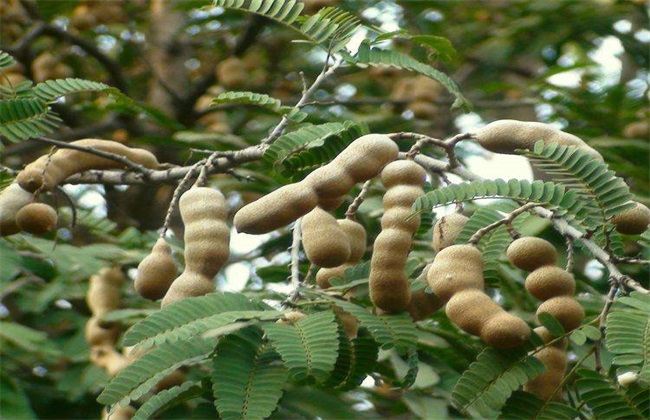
x=180 y=188
x=507 y=220
x=351 y=212
x=570 y=252
x=295 y=263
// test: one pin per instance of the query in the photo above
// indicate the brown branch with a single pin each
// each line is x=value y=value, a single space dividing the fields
x=505 y=221
x=351 y=212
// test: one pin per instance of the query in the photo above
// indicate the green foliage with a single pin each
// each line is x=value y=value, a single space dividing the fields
x=189 y=312
x=22 y=118
x=329 y=26
x=603 y=193
x=51 y=90
x=356 y=358
x=389 y=331
x=306 y=345
x=246 y=381
x=6 y=60
x=138 y=378
x=488 y=382
x=524 y=405
x=547 y=194
x=609 y=402
x=168 y=398
x=264 y=101
x=628 y=333
x=311 y=146
x=376 y=57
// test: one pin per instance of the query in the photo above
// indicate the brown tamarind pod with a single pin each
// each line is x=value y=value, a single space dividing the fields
x=477 y=314
x=97 y=335
x=360 y=161
x=506 y=136
x=423 y=305
x=330 y=204
x=276 y=209
x=109 y=359
x=446 y=230
x=547 y=337
x=529 y=253
x=50 y=170
x=12 y=199
x=456 y=268
x=119 y=413
x=156 y=272
x=633 y=221
x=37 y=218
x=546 y=383
x=325 y=243
x=389 y=285
x=550 y=281
x=104 y=291
x=565 y=309
x=348 y=321
x=357 y=237
x=232 y=74
x=207 y=240
x=291 y=318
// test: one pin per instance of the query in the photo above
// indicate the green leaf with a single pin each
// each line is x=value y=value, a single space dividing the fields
x=51 y=90
x=603 y=193
x=265 y=101
x=524 y=405
x=168 y=398
x=23 y=118
x=605 y=400
x=442 y=46
x=14 y=403
x=490 y=380
x=246 y=382
x=552 y=324
x=375 y=57
x=311 y=146
x=389 y=331
x=308 y=346
x=356 y=358
x=627 y=333
x=6 y=60
x=138 y=378
x=187 y=311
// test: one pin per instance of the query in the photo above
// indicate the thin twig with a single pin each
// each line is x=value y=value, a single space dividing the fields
x=505 y=221
x=602 y=318
x=295 y=262
x=177 y=195
x=351 y=212
x=570 y=254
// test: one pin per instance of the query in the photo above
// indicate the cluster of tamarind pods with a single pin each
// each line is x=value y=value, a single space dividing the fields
x=455 y=276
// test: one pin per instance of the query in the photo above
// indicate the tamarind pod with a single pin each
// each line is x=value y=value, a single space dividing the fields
x=156 y=272
x=504 y=331
x=506 y=136
x=50 y=170
x=446 y=230
x=547 y=337
x=360 y=161
x=188 y=284
x=545 y=384
x=276 y=209
x=330 y=204
x=324 y=275
x=207 y=236
x=389 y=286
x=109 y=359
x=470 y=309
x=291 y=318
x=104 y=291
x=120 y=413
x=477 y=314
x=325 y=243
x=37 y=218
x=633 y=221
x=423 y=305
x=12 y=199
x=454 y=269
x=97 y=335
x=529 y=253
x=565 y=309
x=357 y=237
x=550 y=281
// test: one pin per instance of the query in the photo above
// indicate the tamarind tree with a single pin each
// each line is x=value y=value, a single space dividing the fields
x=285 y=209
